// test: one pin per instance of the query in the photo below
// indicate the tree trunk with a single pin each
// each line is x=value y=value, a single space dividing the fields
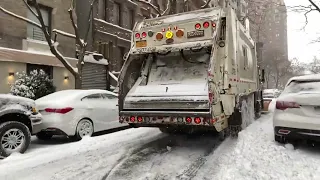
x=78 y=82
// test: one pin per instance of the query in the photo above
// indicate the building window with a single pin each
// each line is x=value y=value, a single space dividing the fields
x=34 y=32
x=117 y=13
x=47 y=69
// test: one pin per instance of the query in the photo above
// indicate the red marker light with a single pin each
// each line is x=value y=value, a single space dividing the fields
x=206 y=24
x=198 y=26
x=144 y=34
x=188 y=119
x=137 y=35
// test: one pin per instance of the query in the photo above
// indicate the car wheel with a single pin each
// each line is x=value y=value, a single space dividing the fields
x=14 y=137
x=84 y=128
x=279 y=139
x=44 y=136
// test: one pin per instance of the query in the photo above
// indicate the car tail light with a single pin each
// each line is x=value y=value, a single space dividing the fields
x=206 y=24
x=283 y=131
x=197 y=120
x=140 y=119
x=282 y=105
x=188 y=119
x=144 y=34
x=137 y=35
x=60 y=111
x=197 y=26
x=132 y=119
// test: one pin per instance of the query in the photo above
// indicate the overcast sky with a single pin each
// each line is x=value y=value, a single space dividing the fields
x=299 y=40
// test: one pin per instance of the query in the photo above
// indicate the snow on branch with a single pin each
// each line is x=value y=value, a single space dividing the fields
x=113 y=76
x=63 y=33
x=206 y=4
x=19 y=17
x=167 y=8
x=30 y=9
x=74 y=25
x=152 y=6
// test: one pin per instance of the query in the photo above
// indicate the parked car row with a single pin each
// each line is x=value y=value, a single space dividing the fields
x=297 y=110
x=72 y=113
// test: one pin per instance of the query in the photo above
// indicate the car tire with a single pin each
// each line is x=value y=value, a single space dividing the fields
x=279 y=139
x=44 y=136
x=18 y=132
x=84 y=128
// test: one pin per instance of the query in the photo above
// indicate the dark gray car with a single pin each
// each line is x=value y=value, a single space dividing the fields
x=19 y=119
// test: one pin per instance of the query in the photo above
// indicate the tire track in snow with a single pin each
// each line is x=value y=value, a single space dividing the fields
x=154 y=161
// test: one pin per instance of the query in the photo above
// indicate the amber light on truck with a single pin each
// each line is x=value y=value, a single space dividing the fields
x=159 y=36
x=179 y=33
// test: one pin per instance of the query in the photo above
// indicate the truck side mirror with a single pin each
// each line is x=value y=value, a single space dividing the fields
x=262 y=76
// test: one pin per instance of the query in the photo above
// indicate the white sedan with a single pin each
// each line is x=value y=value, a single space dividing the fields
x=297 y=112
x=77 y=113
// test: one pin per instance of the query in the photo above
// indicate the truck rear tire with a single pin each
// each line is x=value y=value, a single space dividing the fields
x=167 y=130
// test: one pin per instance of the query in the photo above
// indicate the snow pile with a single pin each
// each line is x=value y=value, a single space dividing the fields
x=255 y=155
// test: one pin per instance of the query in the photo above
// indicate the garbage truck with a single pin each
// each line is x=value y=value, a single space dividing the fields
x=190 y=71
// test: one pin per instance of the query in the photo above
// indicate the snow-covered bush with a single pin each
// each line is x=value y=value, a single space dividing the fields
x=34 y=85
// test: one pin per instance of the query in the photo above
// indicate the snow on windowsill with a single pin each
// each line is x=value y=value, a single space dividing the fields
x=110 y=24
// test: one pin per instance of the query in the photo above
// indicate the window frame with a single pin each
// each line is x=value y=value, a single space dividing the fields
x=119 y=14
x=86 y=97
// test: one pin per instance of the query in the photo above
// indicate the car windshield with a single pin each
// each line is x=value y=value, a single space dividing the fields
x=302 y=86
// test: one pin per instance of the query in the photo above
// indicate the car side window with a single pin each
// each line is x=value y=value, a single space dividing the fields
x=93 y=97
x=109 y=96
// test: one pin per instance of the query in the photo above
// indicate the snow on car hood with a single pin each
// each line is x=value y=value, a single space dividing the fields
x=8 y=101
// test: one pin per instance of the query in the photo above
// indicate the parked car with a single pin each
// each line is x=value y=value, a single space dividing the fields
x=268 y=95
x=78 y=113
x=19 y=119
x=297 y=111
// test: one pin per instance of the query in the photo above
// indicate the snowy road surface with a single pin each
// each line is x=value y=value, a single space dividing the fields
x=146 y=153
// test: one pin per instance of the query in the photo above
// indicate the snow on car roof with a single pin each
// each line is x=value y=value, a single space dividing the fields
x=72 y=93
x=310 y=77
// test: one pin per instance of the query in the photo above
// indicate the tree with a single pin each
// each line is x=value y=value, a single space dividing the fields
x=34 y=85
x=52 y=36
x=314 y=65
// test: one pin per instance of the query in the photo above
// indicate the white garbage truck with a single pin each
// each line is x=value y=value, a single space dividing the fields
x=189 y=71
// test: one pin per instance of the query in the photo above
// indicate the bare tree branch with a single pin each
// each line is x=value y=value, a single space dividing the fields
x=314 y=5
x=30 y=9
x=89 y=21
x=167 y=8
x=152 y=6
x=64 y=33
x=53 y=46
x=75 y=27
x=205 y=5
x=19 y=17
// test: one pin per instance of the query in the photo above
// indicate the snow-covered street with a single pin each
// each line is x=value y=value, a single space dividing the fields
x=146 y=153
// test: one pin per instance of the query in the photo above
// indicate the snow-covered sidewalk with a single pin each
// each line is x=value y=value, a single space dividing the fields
x=255 y=155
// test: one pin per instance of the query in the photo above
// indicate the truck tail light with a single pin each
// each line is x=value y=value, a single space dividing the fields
x=137 y=35
x=159 y=36
x=188 y=119
x=197 y=120
x=132 y=119
x=206 y=25
x=140 y=119
x=179 y=33
x=197 y=26
x=144 y=34
x=283 y=105
x=60 y=111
